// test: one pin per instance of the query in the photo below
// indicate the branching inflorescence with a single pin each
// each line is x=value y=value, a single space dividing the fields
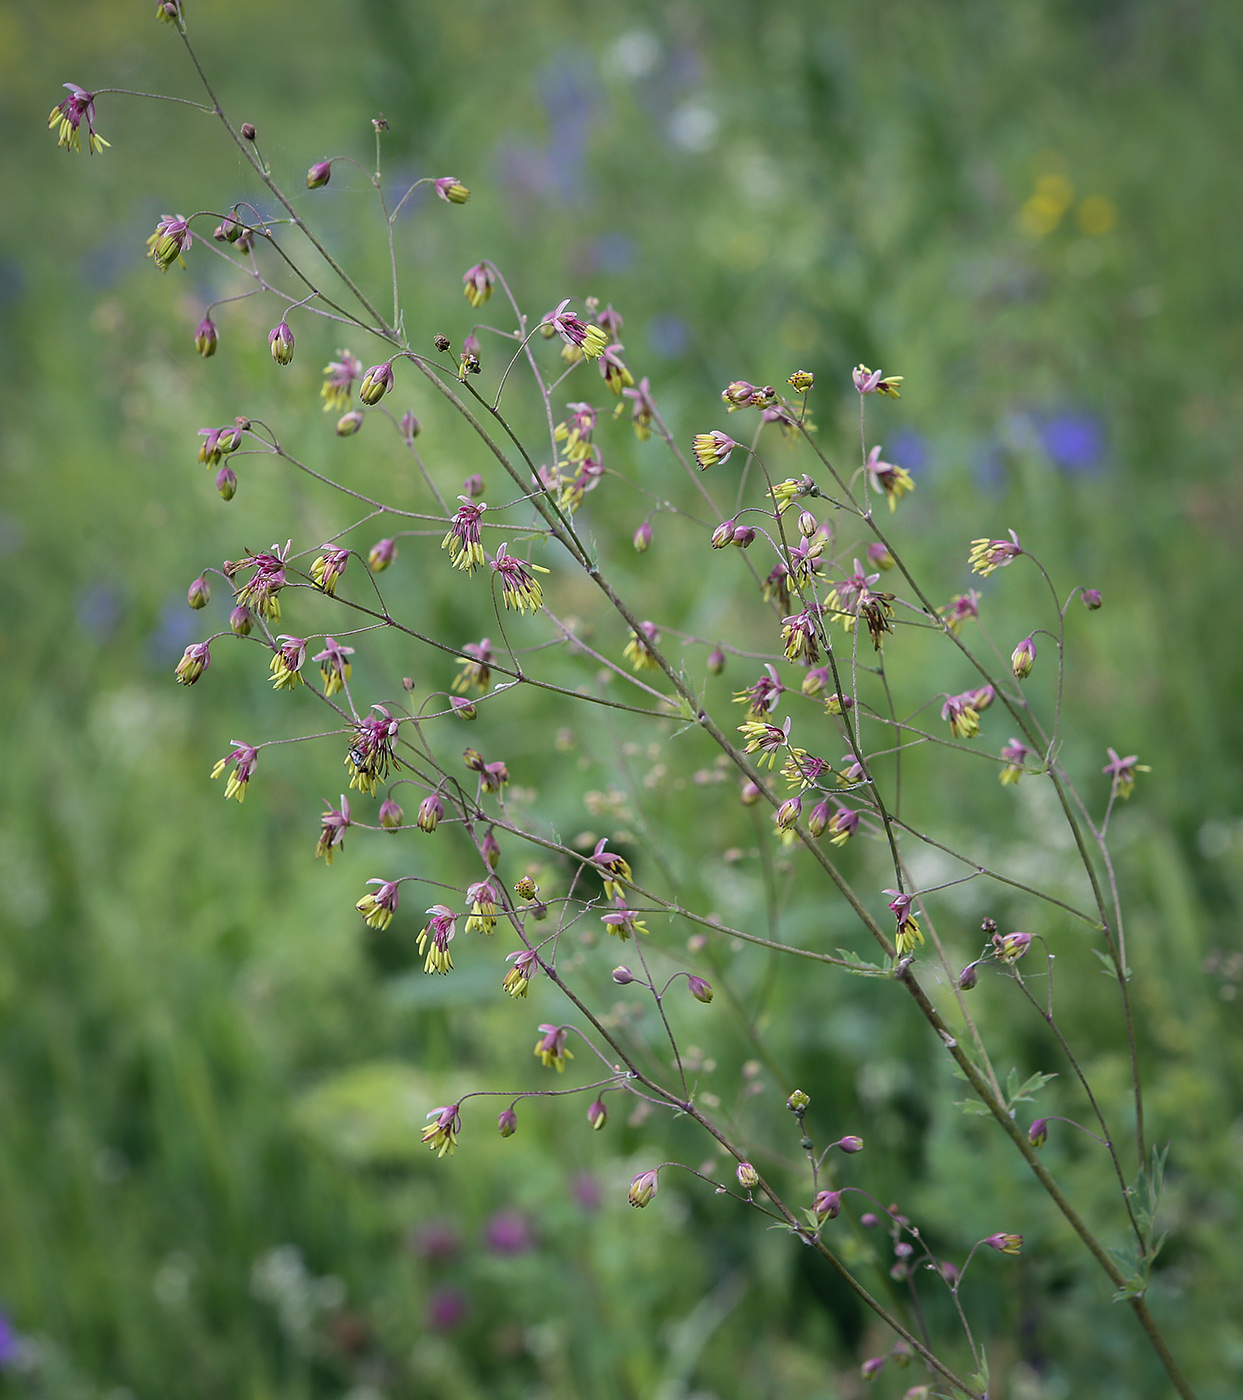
x=818 y=741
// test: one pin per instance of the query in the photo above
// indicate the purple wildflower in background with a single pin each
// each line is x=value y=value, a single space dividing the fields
x=1074 y=440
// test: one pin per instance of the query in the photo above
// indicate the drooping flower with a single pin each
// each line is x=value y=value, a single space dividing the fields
x=195 y=660
x=462 y=539
x=334 y=823
x=431 y=809
x=334 y=665
x=1016 y=755
x=871 y=381
x=799 y=635
x=638 y=650
x=1023 y=658
x=1011 y=946
x=376 y=382
x=964 y=718
x=908 y=934
x=740 y=394
x=712 y=449
x=614 y=870
x=478 y=282
x=476 y=667
x=339 y=377
x=643 y=1188
x=286 y=663
x=68 y=115
x=895 y=482
x=613 y=368
x=1122 y=771
x=1005 y=1244
x=589 y=340
x=171 y=238
x=371 y=753
x=435 y=938
x=381 y=555
x=280 y=342
x=377 y=909
x=390 y=814
x=879 y=555
x=452 y=190
x=518 y=978
x=574 y=434
x=842 y=825
x=642 y=411
x=319 y=174
x=802 y=770
x=784 y=492
x=520 y=589
x=550 y=1047
x=762 y=697
x=441 y=1135
x=243 y=758
x=483 y=899
x=765 y=739
x=988 y=555
x=622 y=922
x=328 y=568
x=961 y=607
x=206 y=338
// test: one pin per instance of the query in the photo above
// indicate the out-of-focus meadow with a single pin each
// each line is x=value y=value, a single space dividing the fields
x=212 y=1077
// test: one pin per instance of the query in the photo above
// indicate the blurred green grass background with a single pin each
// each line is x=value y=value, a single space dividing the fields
x=210 y=1175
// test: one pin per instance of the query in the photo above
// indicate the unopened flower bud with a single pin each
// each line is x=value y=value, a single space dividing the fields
x=801 y=380
x=642 y=537
x=750 y=794
x=1023 y=658
x=868 y=1219
x=700 y=990
x=879 y=555
x=319 y=175
x=623 y=976
x=410 y=426
x=507 y=1122
x=376 y=382
x=1038 y=1133
x=451 y=190
x=1005 y=1244
x=473 y=759
x=807 y=524
x=716 y=661
x=872 y=1367
x=1011 y=946
x=391 y=815
x=797 y=1102
x=850 y=1144
x=248 y=131
x=819 y=819
x=240 y=621
x=226 y=483
x=199 y=594
x=598 y=1115
x=988 y=926
x=643 y=1188
x=744 y=537
x=968 y=977
x=1091 y=599
x=490 y=850
x=723 y=534
x=828 y=1205
x=193 y=663
x=441 y=342
x=382 y=554
x=280 y=342
x=748 y=1177
x=431 y=809
x=205 y=338
x=349 y=423
x=788 y=813
x=463 y=708
x=473 y=486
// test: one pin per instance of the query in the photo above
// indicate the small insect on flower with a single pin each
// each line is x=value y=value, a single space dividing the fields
x=520 y=590
x=435 y=938
x=441 y=1134
x=712 y=449
x=68 y=116
x=550 y=1048
x=243 y=758
x=371 y=753
x=377 y=909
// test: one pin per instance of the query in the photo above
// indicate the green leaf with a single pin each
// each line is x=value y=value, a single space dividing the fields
x=856 y=965
x=974 y=1107
x=1027 y=1091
